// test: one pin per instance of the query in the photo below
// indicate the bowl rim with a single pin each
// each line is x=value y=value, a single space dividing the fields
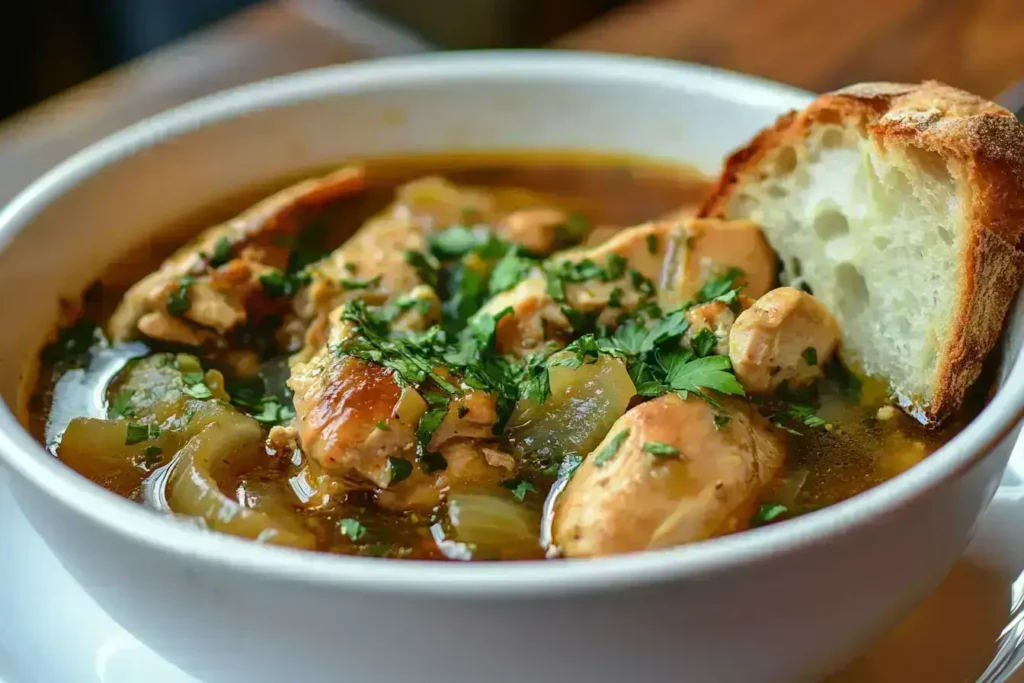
x=161 y=533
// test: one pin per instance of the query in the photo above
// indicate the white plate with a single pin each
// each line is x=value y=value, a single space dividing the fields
x=50 y=630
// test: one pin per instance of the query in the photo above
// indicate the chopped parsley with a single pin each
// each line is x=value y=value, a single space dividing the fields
x=277 y=284
x=75 y=342
x=641 y=283
x=137 y=433
x=221 y=252
x=383 y=426
x=152 y=456
x=703 y=343
x=615 y=298
x=198 y=391
x=400 y=469
x=800 y=413
x=455 y=242
x=352 y=284
x=178 y=301
x=768 y=512
x=426 y=266
x=519 y=488
x=510 y=271
x=722 y=421
x=432 y=462
x=722 y=288
x=121 y=406
x=614 y=267
x=271 y=411
x=810 y=355
x=352 y=529
x=652 y=243
x=660 y=450
x=609 y=451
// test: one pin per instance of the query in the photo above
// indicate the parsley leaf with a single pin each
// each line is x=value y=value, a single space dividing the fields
x=400 y=469
x=137 y=433
x=652 y=243
x=272 y=411
x=178 y=301
x=121 y=406
x=703 y=343
x=277 y=284
x=722 y=288
x=221 y=252
x=810 y=355
x=614 y=268
x=660 y=450
x=454 y=242
x=75 y=342
x=609 y=451
x=352 y=284
x=352 y=528
x=768 y=512
x=687 y=374
x=519 y=488
x=509 y=271
x=426 y=266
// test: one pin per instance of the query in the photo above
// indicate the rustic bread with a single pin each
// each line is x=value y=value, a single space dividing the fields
x=902 y=208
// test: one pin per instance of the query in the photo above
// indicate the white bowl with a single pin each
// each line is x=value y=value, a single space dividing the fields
x=785 y=603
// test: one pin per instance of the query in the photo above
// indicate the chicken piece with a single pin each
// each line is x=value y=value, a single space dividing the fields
x=717 y=317
x=703 y=479
x=786 y=336
x=469 y=464
x=471 y=415
x=664 y=262
x=245 y=244
x=713 y=246
x=352 y=415
x=538 y=230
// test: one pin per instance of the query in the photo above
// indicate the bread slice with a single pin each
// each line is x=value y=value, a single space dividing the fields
x=902 y=208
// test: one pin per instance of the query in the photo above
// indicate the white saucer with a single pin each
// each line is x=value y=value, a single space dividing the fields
x=50 y=630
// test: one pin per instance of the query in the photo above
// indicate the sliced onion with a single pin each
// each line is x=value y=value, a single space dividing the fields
x=584 y=404
x=223 y=449
x=493 y=525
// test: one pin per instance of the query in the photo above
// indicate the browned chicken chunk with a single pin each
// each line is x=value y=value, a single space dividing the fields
x=666 y=474
x=207 y=288
x=786 y=336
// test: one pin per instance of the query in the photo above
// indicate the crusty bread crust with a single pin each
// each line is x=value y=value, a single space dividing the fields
x=983 y=144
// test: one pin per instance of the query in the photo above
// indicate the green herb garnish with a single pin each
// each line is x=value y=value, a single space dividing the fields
x=519 y=488
x=352 y=528
x=121 y=406
x=703 y=343
x=768 y=512
x=810 y=355
x=660 y=450
x=178 y=301
x=400 y=469
x=137 y=433
x=221 y=252
x=352 y=284
x=609 y=451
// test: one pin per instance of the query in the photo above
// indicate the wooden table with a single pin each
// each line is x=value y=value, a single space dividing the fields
x=815 y=44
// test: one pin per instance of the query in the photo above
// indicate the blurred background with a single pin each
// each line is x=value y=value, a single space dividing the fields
x=73 y=71
x=51 y=45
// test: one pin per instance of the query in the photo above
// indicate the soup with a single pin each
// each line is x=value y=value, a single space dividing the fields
x=477 y=357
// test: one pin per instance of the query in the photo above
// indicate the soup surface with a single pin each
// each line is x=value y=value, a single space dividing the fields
x=495 y=367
